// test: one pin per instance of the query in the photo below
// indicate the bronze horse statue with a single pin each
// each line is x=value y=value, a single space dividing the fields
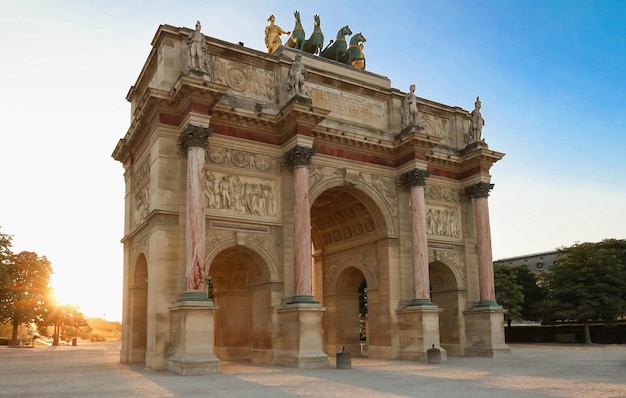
x=353 y=53
x=336 y=48
x=296 y=40
x=315 y=43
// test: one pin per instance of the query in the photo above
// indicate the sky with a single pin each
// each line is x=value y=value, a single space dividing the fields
x=551 y=76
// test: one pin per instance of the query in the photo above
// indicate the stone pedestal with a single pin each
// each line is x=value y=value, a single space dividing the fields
x=192 y=336
x=419 y=332
x=484 y=328
x=300 y=336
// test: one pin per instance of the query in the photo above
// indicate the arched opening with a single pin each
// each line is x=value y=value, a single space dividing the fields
x=242 y=292
x=139 y=311
x=446 y=295
x=349 y=249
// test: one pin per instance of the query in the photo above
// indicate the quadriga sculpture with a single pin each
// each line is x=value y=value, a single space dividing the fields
x=336 y=48
x=296 y=40
x=315 y=43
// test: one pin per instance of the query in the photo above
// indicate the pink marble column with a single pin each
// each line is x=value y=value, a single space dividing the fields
x=194 y=140
x=480 y=192
x=300 y=159
x=414 y=181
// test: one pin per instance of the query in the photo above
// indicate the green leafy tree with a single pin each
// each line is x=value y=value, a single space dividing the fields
x=509 y=294
x=534 y=293
x=24 y=289
x=5 y=257
x=588 y=283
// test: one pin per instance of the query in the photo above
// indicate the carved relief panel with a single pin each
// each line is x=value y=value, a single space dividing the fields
x=437 y=126
x=140 y=181
x=255 y=83
x=238 y=194
x=443 y=219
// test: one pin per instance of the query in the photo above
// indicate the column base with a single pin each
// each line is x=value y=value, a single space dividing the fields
x=192 y=335
x=302 y=300
x=419 y=332
x=300 y=326
x=484 y=329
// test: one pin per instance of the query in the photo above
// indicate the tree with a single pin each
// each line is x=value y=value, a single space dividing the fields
x=24 y=289
x=509 y=293
x=588 y=283
x=534 y=293
x=5 y=257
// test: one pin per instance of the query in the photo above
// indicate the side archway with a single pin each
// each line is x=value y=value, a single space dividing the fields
x=139 y=311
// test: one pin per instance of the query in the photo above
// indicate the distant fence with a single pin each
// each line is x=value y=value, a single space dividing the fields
x=600 y=334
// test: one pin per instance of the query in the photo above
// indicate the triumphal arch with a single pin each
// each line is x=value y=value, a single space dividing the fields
x=283 y=206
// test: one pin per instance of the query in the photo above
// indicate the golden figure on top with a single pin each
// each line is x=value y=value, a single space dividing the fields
x=272 y=35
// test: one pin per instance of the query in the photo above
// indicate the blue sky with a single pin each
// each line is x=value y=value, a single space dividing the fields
x=550 y=75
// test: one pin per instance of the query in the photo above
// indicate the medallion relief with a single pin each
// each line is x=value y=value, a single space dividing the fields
x=436 y=126
x=441 y=193
x=227 y=157
x=255 y=83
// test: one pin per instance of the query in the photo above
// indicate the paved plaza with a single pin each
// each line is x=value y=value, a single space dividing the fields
x=93 y=370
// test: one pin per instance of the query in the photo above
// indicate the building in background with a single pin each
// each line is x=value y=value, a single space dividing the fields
x=536 y=262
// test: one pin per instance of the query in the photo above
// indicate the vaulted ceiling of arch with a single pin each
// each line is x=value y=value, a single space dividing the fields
x=337 y=216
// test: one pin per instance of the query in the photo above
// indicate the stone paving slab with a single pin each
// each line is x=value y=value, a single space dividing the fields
x=93 y=370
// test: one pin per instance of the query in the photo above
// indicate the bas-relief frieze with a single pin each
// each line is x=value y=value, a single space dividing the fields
x=142 y=205
x=227 y=157
x=141 y=172
x=236 y=194
x=255 y=83
x=436 y=126
x=362 y=255
x=350 y=107
x=443 y=221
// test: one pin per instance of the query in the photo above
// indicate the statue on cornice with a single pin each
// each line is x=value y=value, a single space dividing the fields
x=296 y=76
x=409 y=108
x=196 y=55
x=476 y=122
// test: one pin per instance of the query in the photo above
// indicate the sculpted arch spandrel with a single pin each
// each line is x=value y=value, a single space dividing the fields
x=381 y=190
x=363 y=258
x=266 y=245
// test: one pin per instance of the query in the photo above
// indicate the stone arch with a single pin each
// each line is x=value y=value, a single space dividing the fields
x=139 y=310
x=229 y=240
x=343 y=178
x=243 y=295
x=448 y=293
x=349 y=232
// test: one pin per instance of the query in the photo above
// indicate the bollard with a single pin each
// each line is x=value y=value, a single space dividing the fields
x=344 y=360
x=433 y=355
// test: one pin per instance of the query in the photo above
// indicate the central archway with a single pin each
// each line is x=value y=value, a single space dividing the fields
x=350 y=250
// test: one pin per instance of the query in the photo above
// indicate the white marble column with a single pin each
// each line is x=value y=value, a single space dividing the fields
x=414 y=181
x=194 y=139
x=299 y=158
x=480 y=192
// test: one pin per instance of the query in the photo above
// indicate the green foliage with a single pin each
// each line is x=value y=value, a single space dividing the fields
x=509 y=293
x=588 y=283
x=534 y=293
x=26 y=287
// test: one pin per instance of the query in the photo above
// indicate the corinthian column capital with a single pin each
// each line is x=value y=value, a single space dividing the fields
x=299 y=156
x=194 y=137
x=414 y=178
x=480 y=190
